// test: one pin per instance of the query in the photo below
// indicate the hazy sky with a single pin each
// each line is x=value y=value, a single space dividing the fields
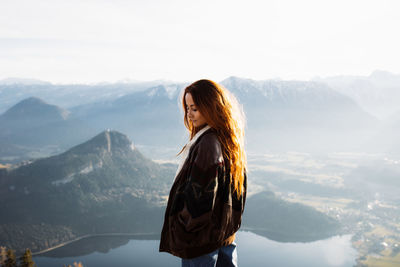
x=183 y=40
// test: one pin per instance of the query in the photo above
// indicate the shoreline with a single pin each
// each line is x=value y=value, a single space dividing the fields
x=245 y=229
x=87 y=236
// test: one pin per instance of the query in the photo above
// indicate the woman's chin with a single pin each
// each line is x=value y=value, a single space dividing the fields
x=201 y=126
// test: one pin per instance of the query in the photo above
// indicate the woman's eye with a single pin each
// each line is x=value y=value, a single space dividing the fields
x=193 y=109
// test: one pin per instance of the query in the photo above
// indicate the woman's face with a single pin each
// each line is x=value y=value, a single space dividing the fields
x=193 y=113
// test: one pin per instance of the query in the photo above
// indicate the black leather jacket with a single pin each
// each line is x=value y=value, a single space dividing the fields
x=203 y=213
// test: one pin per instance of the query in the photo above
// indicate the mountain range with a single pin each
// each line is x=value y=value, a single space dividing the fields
x=281 y=116
x=14 y=90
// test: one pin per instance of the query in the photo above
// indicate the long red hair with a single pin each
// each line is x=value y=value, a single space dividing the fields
x=222 y=112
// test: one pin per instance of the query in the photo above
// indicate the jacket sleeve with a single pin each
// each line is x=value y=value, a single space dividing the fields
x=201 y=189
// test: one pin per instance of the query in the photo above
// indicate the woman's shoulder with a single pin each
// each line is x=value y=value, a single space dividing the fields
x=209 y=138
x=209 y=146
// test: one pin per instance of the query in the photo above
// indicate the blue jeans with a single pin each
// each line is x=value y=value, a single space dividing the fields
x=222 y=257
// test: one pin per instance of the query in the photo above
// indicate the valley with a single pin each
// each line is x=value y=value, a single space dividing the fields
x=371 y=215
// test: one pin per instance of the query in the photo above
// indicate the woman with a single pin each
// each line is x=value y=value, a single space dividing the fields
x=207 y=199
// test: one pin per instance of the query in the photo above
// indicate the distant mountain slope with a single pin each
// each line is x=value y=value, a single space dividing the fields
x=298 y=115
x=32 y=112
x=378 y=93
x=33 y=126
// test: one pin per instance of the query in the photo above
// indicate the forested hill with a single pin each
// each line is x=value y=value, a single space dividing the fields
x=102 y=185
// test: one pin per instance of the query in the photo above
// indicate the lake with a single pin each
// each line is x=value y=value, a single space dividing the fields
x=253 y=250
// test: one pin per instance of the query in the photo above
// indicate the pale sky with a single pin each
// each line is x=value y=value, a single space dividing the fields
x=89 y=41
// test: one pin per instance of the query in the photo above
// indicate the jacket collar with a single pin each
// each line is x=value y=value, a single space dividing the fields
x=198 y=134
